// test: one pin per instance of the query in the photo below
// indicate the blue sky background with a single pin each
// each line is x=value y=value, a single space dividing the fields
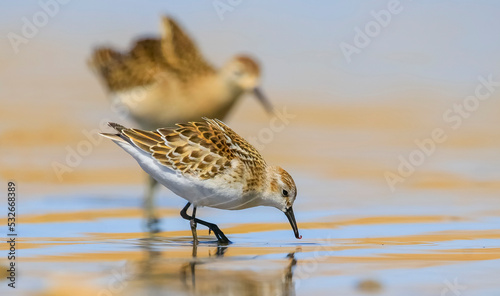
x=438 y=45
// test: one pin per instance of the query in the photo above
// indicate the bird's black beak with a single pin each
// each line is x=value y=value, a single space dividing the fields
x=263 y=100
x=291 y=217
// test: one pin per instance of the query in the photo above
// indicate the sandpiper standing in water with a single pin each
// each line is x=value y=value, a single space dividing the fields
x=209 y=165
x=164 y=81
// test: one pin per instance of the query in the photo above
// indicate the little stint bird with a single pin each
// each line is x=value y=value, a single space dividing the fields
x=164 y=81
x=209 y=165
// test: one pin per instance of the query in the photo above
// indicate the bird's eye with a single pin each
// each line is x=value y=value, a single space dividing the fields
x=285 y=193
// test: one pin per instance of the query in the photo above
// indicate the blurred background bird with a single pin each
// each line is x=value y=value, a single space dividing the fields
x=163 y=81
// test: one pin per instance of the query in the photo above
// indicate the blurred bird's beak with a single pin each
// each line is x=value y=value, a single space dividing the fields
x=263 y=100
x=291 y=217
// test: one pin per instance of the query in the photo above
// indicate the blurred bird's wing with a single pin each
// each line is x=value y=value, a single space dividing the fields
x=140 y=67
x=149 y=59
x=181 y=53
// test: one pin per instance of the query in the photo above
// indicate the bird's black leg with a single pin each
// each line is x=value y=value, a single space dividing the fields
x=192 y=222
x=213 y=227
x=151 y=220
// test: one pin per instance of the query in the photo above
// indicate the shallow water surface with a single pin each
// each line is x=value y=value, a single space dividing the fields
x=95 y=242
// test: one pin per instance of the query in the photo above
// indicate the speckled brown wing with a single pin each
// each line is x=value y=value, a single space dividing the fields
x=237 y=146
x=201 y=149
x=189 y=149
x=195 y=148
x=246 y=153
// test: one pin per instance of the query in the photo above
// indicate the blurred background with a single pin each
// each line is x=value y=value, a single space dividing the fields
x=392 y=141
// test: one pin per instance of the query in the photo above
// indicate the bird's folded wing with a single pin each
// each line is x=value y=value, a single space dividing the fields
x=193 y=149
x=203 y=149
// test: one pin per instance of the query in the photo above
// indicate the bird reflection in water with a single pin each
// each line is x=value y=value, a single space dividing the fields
x=206 y=271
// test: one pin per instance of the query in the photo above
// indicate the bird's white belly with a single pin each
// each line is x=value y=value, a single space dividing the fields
x=201 y=193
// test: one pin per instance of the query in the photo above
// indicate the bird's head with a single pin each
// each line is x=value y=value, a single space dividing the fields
x=281 y=193
x=244 y=73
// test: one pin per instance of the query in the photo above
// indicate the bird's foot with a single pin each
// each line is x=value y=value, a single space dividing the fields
x=152 y=225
